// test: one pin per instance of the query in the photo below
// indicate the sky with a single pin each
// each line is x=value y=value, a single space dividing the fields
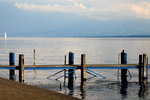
x=74 y=17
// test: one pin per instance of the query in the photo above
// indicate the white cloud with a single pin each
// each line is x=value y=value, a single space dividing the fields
x=75 y=8
x=97 y=9
x=142 y=10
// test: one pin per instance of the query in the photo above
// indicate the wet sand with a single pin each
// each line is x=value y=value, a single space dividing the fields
x=11 y=90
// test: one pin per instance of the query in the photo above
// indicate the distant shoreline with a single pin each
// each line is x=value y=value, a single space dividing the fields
x=117 y=36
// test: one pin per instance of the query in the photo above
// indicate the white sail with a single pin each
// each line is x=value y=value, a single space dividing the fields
x=5 y=36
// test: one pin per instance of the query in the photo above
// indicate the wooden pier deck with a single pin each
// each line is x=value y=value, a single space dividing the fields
x=142 y=67
x=76 y=66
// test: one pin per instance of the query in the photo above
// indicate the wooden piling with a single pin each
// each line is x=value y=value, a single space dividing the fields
x=83 y=70
x=140 y=69
x=65 y=70
x=144 y=67
x=71 y=71
x=143 y=72
x=21 y=68
x=34 y=57
x=147 y=69
x=12 y=63
x=145 y=76
x=123 y=71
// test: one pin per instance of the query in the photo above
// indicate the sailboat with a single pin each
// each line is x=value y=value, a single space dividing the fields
x=5 y=36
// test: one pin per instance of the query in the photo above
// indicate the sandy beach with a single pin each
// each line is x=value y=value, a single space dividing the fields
x=11 y=90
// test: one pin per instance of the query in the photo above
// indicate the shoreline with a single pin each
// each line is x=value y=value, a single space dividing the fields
x=19 y=91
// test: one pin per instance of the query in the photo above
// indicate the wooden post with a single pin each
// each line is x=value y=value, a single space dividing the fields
x=140 y=69
x=83 y=70
x=83 y=76
x=11 y=63
x=34 y=57
x=123 y=71
x=71 y=75
x=21 y=68
x=144 y=78
x=124 y=82
x=147 y=69
x=65 y=61
x=65 y=70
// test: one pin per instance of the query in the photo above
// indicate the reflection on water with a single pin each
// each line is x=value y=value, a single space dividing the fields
x=102 y=90
x=83 y=92
x=143 y=92
x=4 y=43
x=123 y=90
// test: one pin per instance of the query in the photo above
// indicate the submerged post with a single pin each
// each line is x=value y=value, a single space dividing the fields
x=12 y=63
x=71 y=71
x=123 y=71
x=83 y=70
x=21 y=68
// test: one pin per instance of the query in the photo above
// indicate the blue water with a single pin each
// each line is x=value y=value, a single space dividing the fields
x=97 y=50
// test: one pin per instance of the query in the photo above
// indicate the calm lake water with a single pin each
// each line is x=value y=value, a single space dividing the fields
x=97 y=50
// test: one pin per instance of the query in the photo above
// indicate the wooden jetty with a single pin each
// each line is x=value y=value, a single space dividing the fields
x=142 y=67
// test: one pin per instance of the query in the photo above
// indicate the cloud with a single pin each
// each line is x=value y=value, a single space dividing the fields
x=124 y=10
x=96 y=9
x=142 y=10
x=75 y=8
x=72 y=6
